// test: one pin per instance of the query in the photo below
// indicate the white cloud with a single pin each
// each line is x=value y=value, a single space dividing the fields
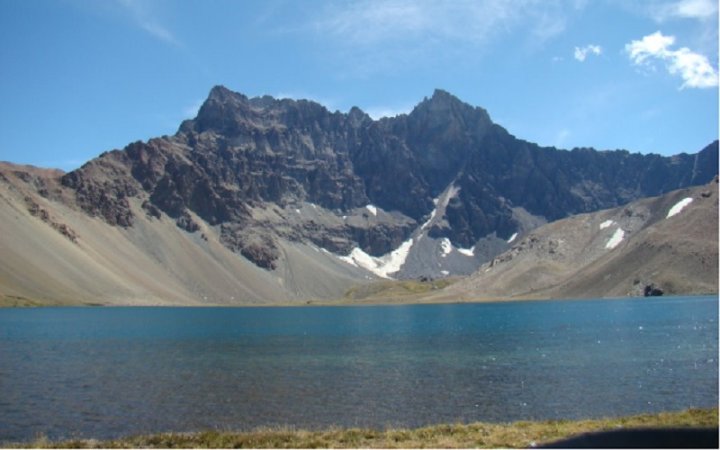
x=582 y=53
x=686 y=9
x=694 y=68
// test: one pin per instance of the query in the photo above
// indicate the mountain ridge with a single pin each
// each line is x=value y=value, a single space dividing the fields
x=657 y=245
x=435 y=192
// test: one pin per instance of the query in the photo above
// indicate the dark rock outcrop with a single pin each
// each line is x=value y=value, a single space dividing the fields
x=652 y=291
x=257 y=246
x=36 y=211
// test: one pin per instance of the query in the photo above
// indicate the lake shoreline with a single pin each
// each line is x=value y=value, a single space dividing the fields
x=522 y=434
x=398 y=301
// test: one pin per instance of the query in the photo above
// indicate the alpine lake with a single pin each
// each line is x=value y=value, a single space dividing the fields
x=89 y=372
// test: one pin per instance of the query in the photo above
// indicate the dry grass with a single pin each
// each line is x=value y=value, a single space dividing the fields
x=483 y=435
x=395 y=291
x=17 y=301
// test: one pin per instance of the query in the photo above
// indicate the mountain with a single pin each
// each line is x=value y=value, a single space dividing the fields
x=263 y=199
x=659 y=245
x=53 y=252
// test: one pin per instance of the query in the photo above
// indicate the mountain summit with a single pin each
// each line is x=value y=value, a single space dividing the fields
x=435 y=192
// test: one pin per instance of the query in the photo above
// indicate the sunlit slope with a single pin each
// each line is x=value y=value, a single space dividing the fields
x=55 y=254
x=668 y=243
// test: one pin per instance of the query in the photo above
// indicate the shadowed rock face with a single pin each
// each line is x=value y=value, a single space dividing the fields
x=241 y=154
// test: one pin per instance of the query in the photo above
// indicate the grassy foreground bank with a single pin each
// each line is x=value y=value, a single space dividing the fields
x=512 y=435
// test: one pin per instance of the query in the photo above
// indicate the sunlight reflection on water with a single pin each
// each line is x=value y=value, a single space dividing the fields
x=104 y=372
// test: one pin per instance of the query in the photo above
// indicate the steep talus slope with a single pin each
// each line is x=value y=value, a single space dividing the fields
x=53 y=253
x=263 y=199
x=668 y=243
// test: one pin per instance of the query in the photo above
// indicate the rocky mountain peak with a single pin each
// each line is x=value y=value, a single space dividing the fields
x=357 y=116
x=443 y=104
x=220 y=93
x=231 y=114
x=441 y=123
x=443 y=96
x=240 y=155
x=223 y=111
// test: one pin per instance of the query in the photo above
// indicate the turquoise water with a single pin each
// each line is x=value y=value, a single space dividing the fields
x=107 y=372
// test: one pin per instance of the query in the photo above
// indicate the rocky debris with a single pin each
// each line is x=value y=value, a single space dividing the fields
x=645 y=288
x=187 y=223
x=102 y=189
x=36 y=211
x=651 y=290
x=547 y=248
x=65 y=231
x=378 y=238
x=151 y=210
x=334 y=242
x=255 y=245
x=263 y=253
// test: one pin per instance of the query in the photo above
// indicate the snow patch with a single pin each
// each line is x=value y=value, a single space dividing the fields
x=381 y=266
x=512 y=238
x=372 y=209
x=432 y=216
x=297 y=211
x=606 y=224
x=679 y=206
x=467 y=251
x=445 y=272
x=446 y=247
x=440 y=203
x=616 y=239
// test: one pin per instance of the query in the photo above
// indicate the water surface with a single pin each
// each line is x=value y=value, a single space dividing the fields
x=108 y=372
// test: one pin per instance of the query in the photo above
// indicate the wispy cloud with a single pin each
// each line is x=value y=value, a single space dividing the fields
x=561 y=138
x=143 y=17
x=694 y=68
x=372 y=21
x=685 y=9
x=581 y=53
x=396 y=32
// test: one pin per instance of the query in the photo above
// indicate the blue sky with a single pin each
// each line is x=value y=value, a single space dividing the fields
x=79 y=77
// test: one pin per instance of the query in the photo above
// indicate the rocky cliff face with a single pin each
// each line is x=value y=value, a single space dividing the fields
x=263 y=169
